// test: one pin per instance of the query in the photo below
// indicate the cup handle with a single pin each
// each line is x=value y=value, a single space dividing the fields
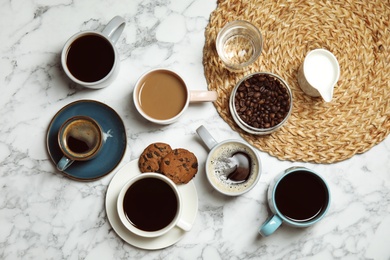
x=184 y=225
x=270 y=225
x=64 y=163
x=114 y=28
x=203 y=96
x=206 y=137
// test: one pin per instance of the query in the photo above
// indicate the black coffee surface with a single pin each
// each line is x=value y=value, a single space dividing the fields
x=77 y=145
x=301 y=196
x=150 y=204
x=90 y=58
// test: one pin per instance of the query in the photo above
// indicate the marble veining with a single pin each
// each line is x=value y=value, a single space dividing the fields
x=44 y=215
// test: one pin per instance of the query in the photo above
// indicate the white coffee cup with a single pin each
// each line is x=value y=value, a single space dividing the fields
x=79 y=49
x=161 y=96
x=220 y=160
x=151 y=189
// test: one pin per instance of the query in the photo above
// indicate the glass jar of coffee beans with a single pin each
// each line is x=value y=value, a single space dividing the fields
x=260 y=103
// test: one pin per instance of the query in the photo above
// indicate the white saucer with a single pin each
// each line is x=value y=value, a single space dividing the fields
x=190 y=209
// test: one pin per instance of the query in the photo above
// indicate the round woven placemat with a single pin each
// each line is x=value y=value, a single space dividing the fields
x=356 y=32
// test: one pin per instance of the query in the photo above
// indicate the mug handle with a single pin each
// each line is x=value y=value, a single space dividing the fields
x=203 y=96
x=270 y=225
x=184 y=225
x=64 y=163
x=206 y=137
x=114 y=28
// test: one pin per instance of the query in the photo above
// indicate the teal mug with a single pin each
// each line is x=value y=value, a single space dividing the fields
x=297 y=197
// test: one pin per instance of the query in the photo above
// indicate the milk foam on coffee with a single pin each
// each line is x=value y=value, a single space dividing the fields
x=218 y=163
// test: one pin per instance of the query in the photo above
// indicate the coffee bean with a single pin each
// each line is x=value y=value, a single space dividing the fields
x=262 y=101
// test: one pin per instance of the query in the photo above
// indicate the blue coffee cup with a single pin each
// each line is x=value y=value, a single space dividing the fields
x=297 y=197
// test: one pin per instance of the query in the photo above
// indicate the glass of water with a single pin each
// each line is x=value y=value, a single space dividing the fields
x=239 y=44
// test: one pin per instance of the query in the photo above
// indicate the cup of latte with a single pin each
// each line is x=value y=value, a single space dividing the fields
x=161 y=96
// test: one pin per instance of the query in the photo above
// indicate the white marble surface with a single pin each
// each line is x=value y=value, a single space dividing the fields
x=44 y=215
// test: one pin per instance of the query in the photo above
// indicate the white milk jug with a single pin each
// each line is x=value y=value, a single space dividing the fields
x=319 y=73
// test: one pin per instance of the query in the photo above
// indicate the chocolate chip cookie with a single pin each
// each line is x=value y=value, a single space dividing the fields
x=151 y=157
x=180 y=165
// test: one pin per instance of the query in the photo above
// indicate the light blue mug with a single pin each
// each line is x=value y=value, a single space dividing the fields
x=297 y=197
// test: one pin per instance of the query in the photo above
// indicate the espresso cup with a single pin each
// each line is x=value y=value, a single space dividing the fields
x=80 y=138
x=150 y=205
x=220 y=162
x=161 y=96
x=298 y=197
x=90 y=59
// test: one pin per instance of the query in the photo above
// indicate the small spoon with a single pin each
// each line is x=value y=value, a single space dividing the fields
x=241 y=167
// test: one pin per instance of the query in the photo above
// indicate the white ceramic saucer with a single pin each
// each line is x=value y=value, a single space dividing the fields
x=190 y=209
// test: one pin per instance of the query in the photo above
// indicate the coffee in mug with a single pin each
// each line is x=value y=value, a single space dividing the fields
x=150 y=205
x=161 y=96
x=80 y=138
x=90 y=59
x=298 y=197
x=222 y=164
x=301 y=196
x=148 y=198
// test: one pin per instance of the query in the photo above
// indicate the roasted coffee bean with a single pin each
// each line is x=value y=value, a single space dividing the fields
x=262 y=101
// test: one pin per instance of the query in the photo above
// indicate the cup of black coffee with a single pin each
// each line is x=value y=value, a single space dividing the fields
x=80 y=138
x=298 y=197
x=150 y=205
x=90 y=59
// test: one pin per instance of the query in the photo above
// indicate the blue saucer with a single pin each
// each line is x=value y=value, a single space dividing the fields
x=113 y=149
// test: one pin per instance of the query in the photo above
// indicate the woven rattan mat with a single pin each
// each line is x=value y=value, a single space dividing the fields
x=356 y=32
